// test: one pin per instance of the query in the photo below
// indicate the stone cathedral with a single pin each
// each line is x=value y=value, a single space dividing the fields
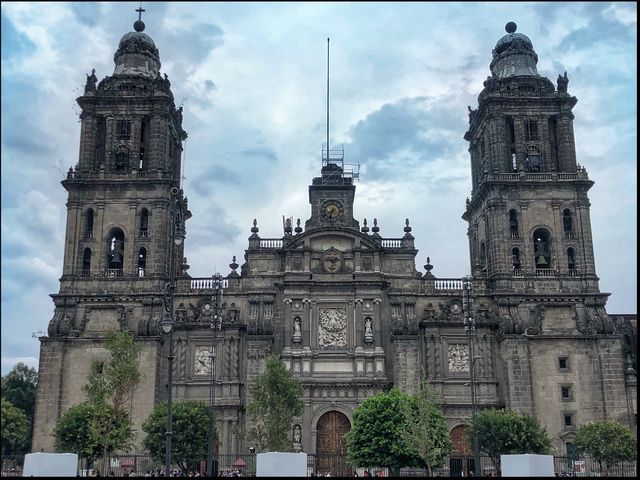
x=344 y=307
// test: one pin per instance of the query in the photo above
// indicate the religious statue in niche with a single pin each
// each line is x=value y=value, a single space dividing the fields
x=332 y=327
x=297 y=438
x=458 y=356
x=368 y=330
x=297 y=330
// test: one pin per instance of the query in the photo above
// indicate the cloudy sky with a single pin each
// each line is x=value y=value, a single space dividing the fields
x=252 y=80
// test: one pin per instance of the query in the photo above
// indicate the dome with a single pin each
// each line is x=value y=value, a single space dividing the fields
x=514 y=55
x=137 y=55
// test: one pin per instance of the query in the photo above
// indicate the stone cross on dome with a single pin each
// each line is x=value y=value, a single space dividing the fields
x=138 y=25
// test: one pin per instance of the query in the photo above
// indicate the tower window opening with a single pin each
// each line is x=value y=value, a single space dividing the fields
x=86 y=263
x=115 y=253
x=142 y=261
x=513 y=223
x=511 y=131
x=101 y=138
x=123 y=129
x=534 y=163
x=514 y=163
x=531 y=131
x=144 y=223
x=122 y=160
x=143 y=141
x=571 y=259
x=542 y=244
x=88 y=226
x=483 y=256
x=515 y=261
x=567 y=223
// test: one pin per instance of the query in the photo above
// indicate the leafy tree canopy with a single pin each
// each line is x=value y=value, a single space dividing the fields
x=276 y=398
x=607 y=442
x=376 y=437
x=89 y=430
x=503 y=432
x=190 y=427
x=19 y=387
x=14 y=429
x=426 y=428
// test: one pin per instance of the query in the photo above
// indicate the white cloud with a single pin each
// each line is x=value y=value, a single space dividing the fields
x=268 y=64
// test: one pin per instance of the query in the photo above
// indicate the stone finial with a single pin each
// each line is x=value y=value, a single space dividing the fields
x=233 y=266
x=255 y=229
x=511 y=27
x=298 y=228
x=407 y=228
x=365 y=229
x=375 y=229
x=428 y=267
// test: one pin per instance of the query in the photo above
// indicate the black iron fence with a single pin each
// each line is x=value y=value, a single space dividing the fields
x=244 y=465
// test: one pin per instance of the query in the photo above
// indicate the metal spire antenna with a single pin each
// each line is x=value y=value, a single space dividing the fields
x=327 y=98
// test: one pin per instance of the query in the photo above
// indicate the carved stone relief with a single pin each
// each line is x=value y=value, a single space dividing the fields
x=332 y=327
x=202 y=365
x=458 y=357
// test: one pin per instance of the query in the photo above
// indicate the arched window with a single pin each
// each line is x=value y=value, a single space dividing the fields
x=513 y=223
x=483 y=256
x=142 y=261
x=144 y=222
x=567 y=223
x=534 y=163
x=515 y=260
x=115 y=253
x=571 y=260
x=86 y=263
x=542 y=249
x=88 y=226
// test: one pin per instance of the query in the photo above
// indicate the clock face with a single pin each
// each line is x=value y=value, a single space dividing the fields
x=332 y=210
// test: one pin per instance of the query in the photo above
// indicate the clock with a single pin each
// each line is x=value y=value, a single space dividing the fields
x=331 y=210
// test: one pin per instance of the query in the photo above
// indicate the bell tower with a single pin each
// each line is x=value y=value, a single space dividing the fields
x=122 y=198
x=529 y=226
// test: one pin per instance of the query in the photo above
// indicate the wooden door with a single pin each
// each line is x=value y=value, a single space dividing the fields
x=331 y=444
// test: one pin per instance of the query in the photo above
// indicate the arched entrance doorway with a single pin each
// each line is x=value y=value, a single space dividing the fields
x=461 y=459
x=331 y=444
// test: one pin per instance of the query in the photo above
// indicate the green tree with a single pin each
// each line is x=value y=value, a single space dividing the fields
x=190 y=429
x=376 y=438
x=19 y=388
x=109 y=390
x=14 y=428
x=504 y=432
x=607 y=443
x=276 y=398
x=79 y=430
x=426 y=429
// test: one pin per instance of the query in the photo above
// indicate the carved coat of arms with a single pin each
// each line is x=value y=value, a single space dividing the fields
x=332 y=327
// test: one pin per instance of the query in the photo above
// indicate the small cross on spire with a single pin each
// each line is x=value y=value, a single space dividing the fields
x=140 y=10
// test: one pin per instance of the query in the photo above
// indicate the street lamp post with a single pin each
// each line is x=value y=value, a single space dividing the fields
x=167 y=324
x=470 y=330
x=217 y=286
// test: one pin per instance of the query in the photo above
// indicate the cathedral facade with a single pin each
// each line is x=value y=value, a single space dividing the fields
x=345 y=308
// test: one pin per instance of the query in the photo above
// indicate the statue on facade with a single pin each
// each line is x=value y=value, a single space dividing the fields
x=297 y=329
x=90 y=86
x=563 y=81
